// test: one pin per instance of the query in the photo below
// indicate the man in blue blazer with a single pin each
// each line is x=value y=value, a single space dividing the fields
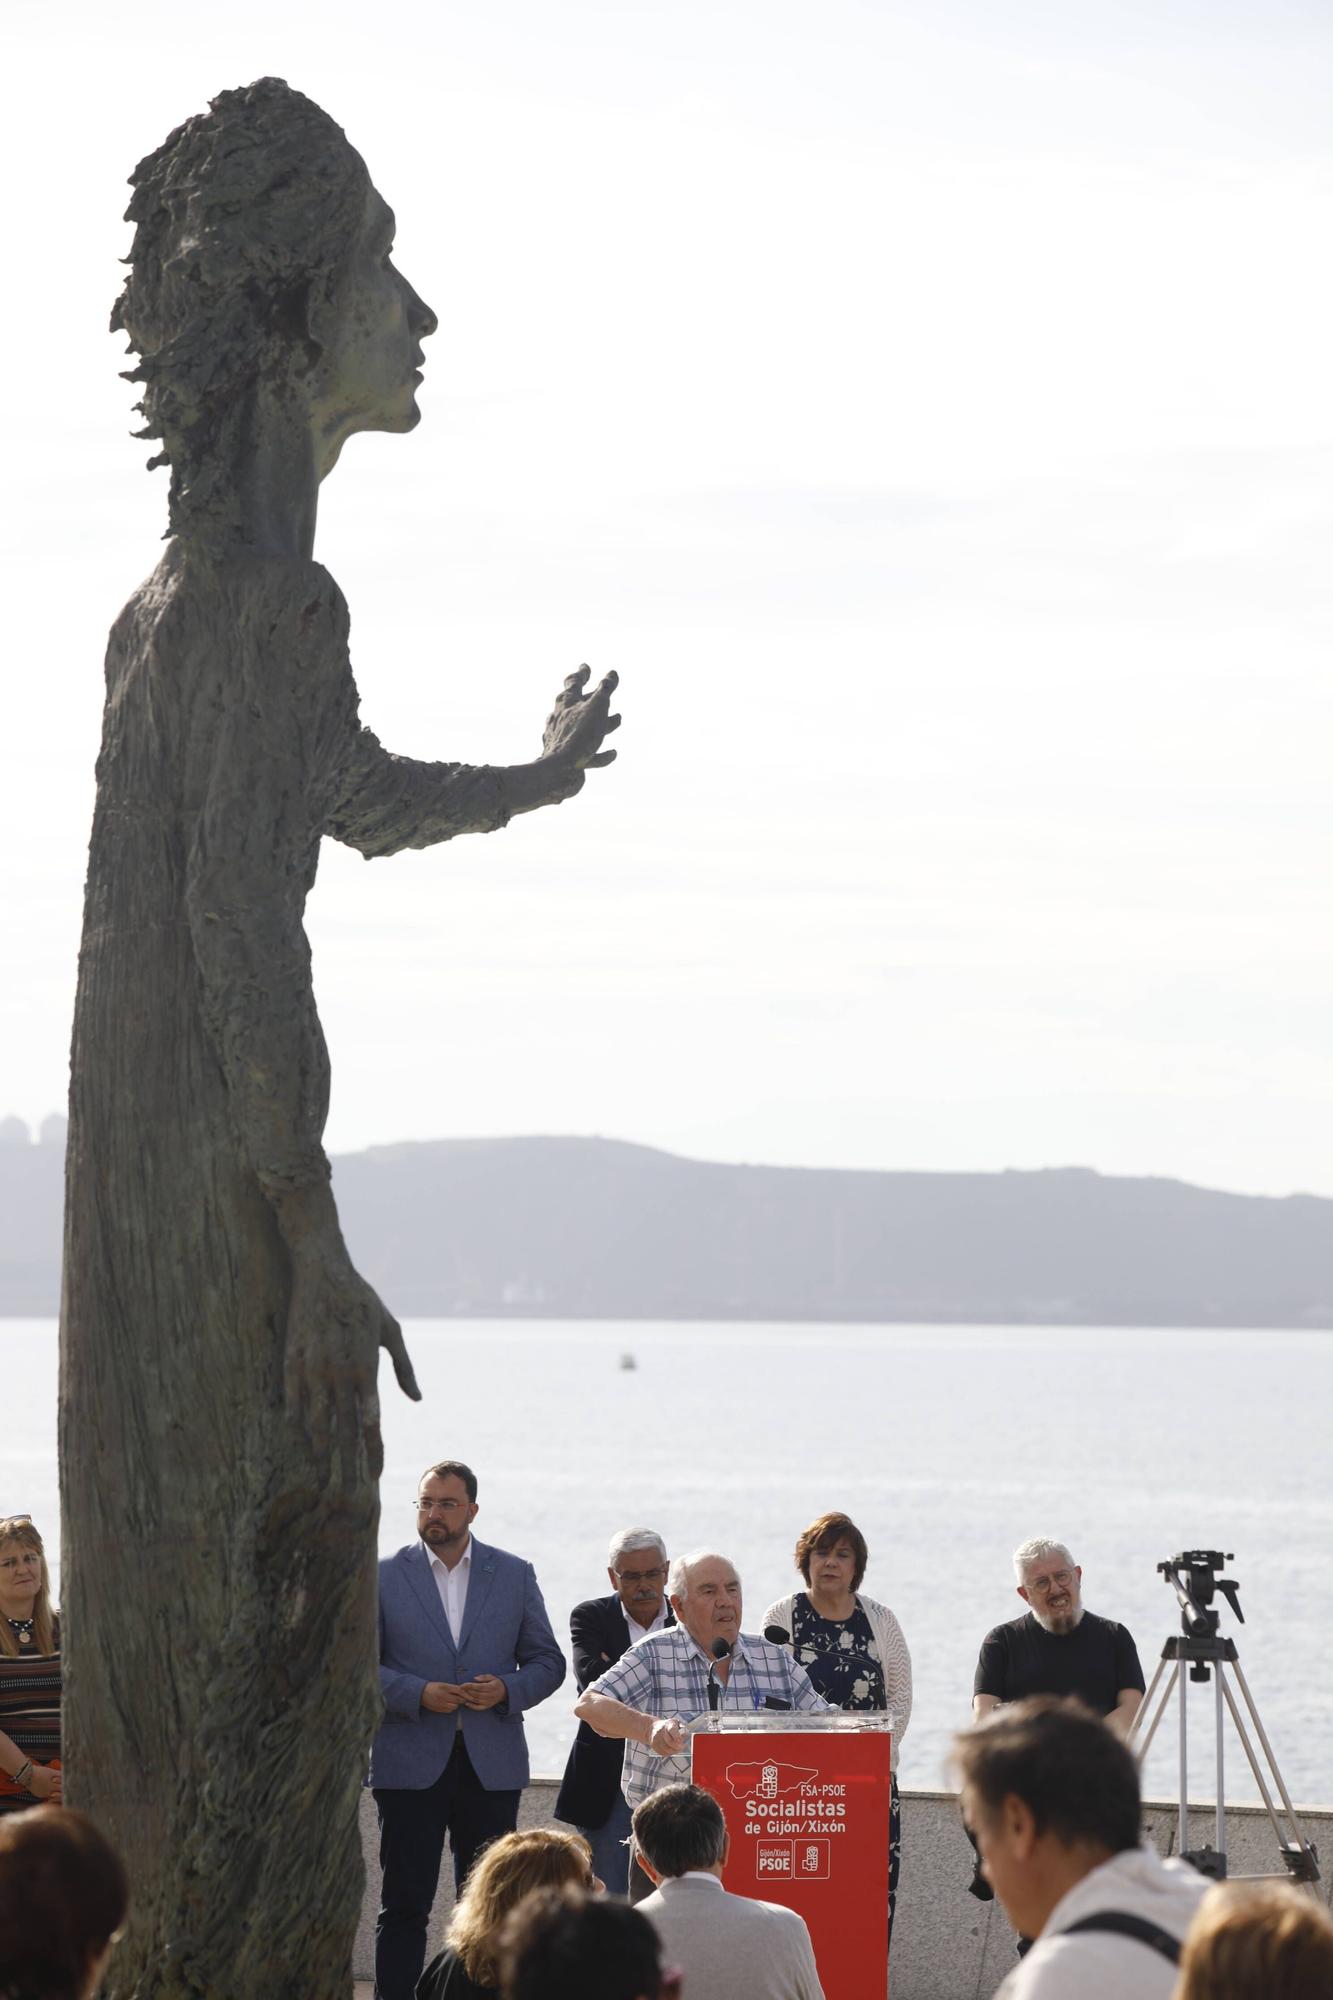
x=465 y=1647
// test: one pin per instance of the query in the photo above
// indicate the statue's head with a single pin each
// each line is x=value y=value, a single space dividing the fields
x=260 y=269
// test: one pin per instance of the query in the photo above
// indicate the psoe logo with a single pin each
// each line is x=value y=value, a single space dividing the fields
x=767 y=1780
x=812 y=1859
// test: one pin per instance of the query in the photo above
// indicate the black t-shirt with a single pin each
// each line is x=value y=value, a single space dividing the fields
x=1094 y=1661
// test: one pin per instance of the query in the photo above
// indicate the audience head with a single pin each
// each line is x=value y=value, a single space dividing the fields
x=1050 y=1792
x=1049 y=1582
x=25 y=1584
x=826 y=1537
x=705 y=1594
x=1258 y=1941
x=563 y=1944
x=502 y=1875
x=63 y=1898
x=637 y=1566
x=679 y=1828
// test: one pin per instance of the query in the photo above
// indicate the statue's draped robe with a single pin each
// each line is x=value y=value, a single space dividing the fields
x=218 y=1571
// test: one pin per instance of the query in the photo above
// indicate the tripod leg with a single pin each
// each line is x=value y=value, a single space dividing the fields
x=1254 y=1761
x=1296 y=1828
x=1184 y=1764
x=1141 y=1749
x=1141 y=1713
x=1221 y=1834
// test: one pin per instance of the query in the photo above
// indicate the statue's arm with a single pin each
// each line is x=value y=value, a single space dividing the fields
x=250 y=861
x=388 y=802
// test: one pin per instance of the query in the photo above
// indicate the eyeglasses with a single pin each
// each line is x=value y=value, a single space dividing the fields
x=641 y=1575
x=1043 y=1585
x=425 y=1506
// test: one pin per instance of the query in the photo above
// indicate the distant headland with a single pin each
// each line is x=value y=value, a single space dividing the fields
x=573 y=1228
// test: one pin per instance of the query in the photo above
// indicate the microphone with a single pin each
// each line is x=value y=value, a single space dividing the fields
x=778 y=1635
x=721 y=1649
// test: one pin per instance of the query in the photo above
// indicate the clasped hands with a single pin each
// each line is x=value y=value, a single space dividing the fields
x=482 y=1691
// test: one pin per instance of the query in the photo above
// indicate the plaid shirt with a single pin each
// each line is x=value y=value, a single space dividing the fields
x=666 y=1674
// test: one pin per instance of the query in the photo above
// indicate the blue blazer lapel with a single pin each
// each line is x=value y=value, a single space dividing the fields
x=422 y=1579
x=478 y=1589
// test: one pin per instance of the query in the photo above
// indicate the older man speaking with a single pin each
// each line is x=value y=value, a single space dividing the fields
x=674 y=1676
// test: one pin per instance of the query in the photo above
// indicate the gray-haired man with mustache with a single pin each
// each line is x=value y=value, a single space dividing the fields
x=601 y=1631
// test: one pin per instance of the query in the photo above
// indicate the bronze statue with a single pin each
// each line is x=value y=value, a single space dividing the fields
x=219 y=1424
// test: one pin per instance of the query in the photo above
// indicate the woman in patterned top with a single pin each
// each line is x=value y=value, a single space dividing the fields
x=29 y=1671
x=852 y=1647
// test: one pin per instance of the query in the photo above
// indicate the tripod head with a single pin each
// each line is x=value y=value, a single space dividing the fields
x=1193 y=1576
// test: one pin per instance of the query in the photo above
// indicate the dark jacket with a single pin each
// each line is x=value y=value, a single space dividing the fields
x=445 y=1979
x=599 y=1635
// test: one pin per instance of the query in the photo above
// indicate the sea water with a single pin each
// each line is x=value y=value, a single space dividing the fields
x=948 y=1445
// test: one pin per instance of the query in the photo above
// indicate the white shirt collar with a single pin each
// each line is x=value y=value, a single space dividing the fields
x=696 y=1875
x=437 y=1562
x=643 y=1630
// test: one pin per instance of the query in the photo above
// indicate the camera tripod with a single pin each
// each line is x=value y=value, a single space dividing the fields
x=1208 y=1655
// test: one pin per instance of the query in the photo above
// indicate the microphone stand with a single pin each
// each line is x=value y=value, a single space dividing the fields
x=721 y=1649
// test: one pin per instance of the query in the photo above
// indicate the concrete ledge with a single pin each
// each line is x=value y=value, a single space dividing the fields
x=946 y=1943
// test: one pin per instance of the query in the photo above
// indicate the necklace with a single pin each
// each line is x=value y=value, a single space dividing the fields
x=22 y=1630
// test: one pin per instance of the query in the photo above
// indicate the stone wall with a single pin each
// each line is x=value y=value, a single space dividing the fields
x=946 y=1943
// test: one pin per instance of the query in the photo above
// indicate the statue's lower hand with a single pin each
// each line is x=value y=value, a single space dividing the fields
x=577 y=726
x=336 y=1323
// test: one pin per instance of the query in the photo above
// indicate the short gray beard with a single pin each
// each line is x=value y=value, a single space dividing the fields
x=1046 y=1625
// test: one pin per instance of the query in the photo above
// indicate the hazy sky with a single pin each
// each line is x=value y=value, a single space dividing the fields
x=926 y=408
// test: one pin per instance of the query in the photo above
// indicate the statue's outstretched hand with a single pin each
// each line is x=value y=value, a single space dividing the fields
x=578 y=724
x=336 y=1323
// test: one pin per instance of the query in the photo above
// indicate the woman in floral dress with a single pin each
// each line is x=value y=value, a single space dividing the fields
x=852 y=1647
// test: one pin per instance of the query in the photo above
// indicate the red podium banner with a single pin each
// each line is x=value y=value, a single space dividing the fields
x=808 y=1814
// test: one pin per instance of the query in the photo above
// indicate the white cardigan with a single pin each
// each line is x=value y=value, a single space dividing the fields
x=893 y=1657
